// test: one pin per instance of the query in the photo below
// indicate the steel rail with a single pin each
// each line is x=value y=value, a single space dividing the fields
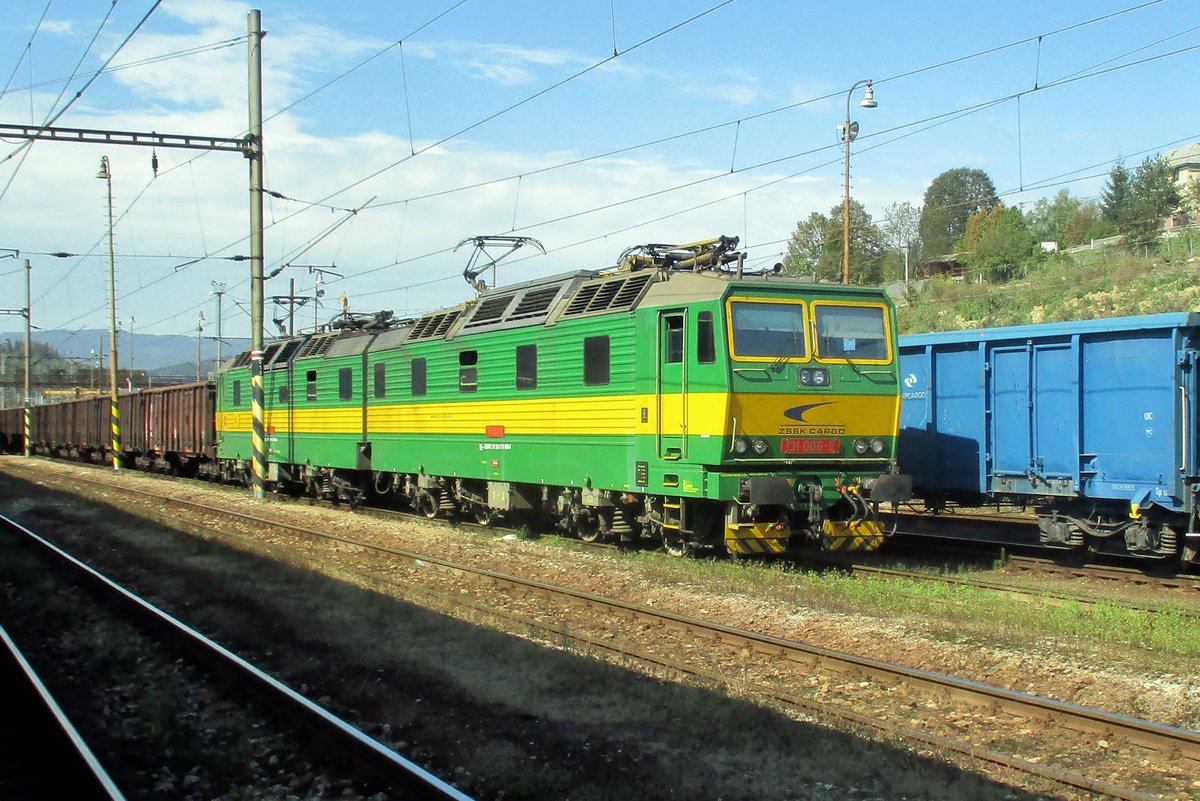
x=1036 y=594
x=1167 y=742
x=1129 y=575
x=388 y=764
x=79 y=772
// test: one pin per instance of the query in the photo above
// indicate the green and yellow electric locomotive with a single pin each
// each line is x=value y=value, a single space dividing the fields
x=675 y=399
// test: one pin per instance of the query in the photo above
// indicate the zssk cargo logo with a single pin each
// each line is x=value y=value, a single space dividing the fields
x=807 y=428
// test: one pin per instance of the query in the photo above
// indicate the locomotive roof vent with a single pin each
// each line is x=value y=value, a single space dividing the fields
x=613 y=293
x=316 y=345
x=283 y=355
x=435 y=325
x=527 y=305
x=490 y=309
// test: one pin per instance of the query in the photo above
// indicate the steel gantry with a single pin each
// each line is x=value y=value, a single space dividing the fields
x=250 y=146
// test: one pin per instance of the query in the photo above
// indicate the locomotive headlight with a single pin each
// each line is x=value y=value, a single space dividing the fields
x=860 y=446
x=878 y=445
x=814 y=377
x=759 y=445
x=740 y=445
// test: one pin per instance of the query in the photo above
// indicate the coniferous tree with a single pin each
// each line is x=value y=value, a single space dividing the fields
x=1114 y=197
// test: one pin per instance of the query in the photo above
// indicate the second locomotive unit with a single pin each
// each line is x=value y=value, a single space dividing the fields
x=674 y=399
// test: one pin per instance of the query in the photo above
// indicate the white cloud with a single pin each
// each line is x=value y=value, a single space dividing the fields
x=59 y=27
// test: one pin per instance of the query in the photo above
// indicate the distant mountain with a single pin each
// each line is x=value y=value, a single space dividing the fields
x=164 y=354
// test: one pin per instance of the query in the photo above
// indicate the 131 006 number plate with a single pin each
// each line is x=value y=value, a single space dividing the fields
x=807 y=446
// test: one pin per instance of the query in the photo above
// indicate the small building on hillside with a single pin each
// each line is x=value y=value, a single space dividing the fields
x=1185 y=168
x=948 y=266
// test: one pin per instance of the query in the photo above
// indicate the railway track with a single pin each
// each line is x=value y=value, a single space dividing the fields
x=1003 y=532
x=1041 y=594
x=1023 y=564
x=1186 y=582
x=38 y=734
x=335 y=742
x=777 y=666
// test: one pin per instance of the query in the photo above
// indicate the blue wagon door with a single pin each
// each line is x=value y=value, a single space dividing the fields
x=1035 y=439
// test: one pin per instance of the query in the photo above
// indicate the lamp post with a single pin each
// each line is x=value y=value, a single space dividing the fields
x=849 y=131
x=132 y=320
x=114 y=410
x=199 y=336
x=218 y=289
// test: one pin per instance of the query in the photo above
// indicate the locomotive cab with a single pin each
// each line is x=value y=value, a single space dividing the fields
x=783 y=399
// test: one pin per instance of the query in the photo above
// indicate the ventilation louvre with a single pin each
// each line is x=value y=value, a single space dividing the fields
x=535 y=303
x=609 y=295
x=491 y=309
x=316 y=345
x=435 y=325
x=284 y=354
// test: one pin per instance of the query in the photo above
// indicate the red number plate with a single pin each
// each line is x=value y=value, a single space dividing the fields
x=809 y=446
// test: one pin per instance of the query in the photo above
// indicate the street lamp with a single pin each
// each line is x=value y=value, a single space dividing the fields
x=218 y=289
x=132 y=320
x=114 y=411
x=199 y=337
x=849 y=132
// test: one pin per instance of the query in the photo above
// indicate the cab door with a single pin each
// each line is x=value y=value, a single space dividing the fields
x=671 y=384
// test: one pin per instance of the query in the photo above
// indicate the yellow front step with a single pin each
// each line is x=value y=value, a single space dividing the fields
x=855 y=535
x=755 y=539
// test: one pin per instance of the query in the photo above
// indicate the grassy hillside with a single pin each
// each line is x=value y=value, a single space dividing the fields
x=1069 y=286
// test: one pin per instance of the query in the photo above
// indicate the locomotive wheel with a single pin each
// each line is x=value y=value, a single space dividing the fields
x=675 y=544
x=483 y=515
x=427 y=504
x=587 y=527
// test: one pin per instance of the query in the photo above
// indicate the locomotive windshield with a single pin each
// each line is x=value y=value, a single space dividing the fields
x=765 y=329
x=851 y=332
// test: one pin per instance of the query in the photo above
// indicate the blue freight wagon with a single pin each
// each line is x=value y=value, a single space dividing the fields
x=1092 y=424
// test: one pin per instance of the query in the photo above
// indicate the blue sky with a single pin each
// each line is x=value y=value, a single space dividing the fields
x=443 y=120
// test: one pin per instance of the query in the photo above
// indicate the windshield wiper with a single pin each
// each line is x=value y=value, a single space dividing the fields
x=854 y=366
x=789 y=343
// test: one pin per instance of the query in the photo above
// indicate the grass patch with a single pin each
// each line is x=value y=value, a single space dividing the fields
x=1165 y=635
x=1079 y=286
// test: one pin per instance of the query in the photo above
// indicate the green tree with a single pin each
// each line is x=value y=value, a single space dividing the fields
x=1114 y=197
x=1048 y=219
x=1065 y=220
x=1153 y=196
x=1190 y=196
x=807 y=246
x=1081 y=226
x=949 y=202
x=867 y=245
x=901 y=227
x=998 y=243
x=815 y=247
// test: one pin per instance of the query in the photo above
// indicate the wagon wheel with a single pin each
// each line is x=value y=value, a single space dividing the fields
x=1078 y=556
